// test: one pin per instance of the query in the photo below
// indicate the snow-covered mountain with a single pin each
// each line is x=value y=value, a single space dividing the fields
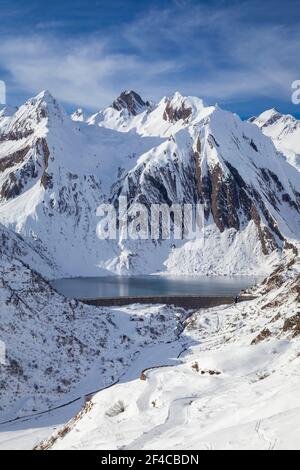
x=248 y=191
x=54 y=173
x=128 y=108
x=284 y=130
x=166 y=118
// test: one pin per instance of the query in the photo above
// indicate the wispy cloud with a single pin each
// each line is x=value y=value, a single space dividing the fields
x=220 y=53
x=84 y=74
x=224 y=53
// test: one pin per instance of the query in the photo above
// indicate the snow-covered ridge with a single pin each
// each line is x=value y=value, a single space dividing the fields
x=284 y=130
x=132 y=102
x=163 y=119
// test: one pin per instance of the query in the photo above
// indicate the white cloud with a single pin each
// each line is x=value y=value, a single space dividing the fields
x=217 y=54
x=85 y=74
x=231 y=55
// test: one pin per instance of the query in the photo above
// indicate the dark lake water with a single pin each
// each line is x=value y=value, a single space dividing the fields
x=144 y=286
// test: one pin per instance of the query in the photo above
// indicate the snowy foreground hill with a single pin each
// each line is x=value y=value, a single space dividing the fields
x=54 y=173
x=230 y=377
x=230 y=381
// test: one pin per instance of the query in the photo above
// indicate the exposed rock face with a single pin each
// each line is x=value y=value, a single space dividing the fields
x=220 y=194
x=263 y=335
x=19 y=168
x=23 y=167
x=176 y=114
x=180 y=108
x=227 y=196
x=266 y=238
x=292 y=325
x=131 y=101
x=13 y=159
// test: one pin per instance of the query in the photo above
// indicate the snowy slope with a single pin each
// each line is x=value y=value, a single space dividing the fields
x=54 y=344
x=234 y=386
x=284 y=130
x=27 y=252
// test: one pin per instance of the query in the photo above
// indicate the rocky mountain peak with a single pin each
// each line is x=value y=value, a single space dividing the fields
x=45 y=104
x=179 y=107
x=131 y=101
x=43 y=110
x=268 y=118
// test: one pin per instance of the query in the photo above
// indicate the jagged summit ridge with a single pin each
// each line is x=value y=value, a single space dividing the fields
x=268 y=118
x=40 y=112
x=171 y=114
x=130 y=101
x=179 y=107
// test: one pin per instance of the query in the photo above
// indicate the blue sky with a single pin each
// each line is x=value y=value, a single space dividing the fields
x=243 y=55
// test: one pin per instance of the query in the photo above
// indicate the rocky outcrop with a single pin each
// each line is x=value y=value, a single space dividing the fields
x=292 y=325
x=43 y=150
x=13 y=159
x=131 y=101
x=172 y=114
